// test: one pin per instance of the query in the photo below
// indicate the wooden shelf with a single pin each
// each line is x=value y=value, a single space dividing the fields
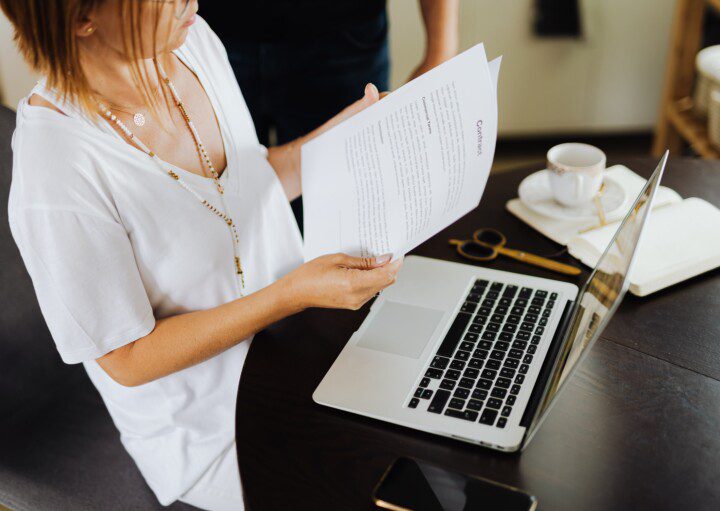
x=691 y=128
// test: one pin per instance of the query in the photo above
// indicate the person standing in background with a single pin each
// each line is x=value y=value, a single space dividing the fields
x=299 y=62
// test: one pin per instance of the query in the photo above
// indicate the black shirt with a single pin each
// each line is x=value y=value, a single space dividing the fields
x=285 y=20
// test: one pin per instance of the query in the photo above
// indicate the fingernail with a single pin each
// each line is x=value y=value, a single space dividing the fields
x=371 y=90
x=383 y=258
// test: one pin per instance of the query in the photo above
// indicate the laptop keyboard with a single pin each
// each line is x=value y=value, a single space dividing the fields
x=481 y=364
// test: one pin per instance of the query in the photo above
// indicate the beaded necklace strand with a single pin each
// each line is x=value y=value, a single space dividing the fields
x=222 y=214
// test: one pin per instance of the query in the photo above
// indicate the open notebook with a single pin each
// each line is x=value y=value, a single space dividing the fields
x=681 y=240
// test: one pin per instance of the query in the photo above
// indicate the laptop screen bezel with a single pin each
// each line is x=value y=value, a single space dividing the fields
x=543 y=408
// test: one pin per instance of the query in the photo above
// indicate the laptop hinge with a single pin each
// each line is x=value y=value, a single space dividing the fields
x=547 y=367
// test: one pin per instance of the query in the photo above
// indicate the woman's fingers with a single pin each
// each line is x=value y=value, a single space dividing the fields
x=361 y=263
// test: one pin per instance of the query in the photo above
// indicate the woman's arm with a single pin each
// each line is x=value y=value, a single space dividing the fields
x=441 y=33
x=178 y=342
x=285 y=159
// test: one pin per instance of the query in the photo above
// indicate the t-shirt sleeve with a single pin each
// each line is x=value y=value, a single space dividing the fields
x=86 y=280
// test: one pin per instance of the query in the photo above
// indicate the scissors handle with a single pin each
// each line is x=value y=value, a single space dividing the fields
x=543 y=262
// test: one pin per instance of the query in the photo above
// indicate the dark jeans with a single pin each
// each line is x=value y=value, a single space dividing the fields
x=294 y=87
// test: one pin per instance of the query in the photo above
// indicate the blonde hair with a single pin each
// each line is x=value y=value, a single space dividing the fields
x=44 y=31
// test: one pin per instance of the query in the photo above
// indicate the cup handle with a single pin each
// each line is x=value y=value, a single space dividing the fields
x=579 y=178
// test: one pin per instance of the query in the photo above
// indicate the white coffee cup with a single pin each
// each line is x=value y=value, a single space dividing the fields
x=575 y=172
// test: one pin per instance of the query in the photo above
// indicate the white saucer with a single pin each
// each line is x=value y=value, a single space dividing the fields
x=535 y=193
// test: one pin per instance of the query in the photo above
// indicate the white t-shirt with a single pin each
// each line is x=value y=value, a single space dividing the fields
x=112 y=243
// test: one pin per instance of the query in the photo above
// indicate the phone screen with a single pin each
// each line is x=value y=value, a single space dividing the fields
x=418 y=486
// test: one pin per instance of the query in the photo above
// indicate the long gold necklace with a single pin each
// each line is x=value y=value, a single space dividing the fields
x=222 y=214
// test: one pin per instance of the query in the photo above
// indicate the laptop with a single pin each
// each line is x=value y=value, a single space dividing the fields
x=477 y=354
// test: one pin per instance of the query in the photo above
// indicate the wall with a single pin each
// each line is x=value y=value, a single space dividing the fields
x=608 y=82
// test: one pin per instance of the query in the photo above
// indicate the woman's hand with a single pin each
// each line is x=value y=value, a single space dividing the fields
x=339 y=281
x=285 y=159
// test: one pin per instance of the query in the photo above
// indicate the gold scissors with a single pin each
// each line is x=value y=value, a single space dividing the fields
x=486 y=244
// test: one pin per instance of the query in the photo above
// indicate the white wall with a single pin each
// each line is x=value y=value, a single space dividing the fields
x=608 y=82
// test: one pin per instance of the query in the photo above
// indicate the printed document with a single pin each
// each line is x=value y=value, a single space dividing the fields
x=406 y=167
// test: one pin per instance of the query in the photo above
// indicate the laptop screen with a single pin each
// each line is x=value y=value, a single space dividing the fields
x=601 y=294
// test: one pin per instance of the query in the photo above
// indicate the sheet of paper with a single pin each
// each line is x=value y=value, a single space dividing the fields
x=400 y=171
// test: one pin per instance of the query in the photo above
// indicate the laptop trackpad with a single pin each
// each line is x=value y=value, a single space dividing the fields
x=401 y=329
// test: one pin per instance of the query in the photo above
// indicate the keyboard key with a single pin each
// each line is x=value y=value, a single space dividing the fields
x=493 y=327
x=438 y=402
x=462 y=355
x=483 y=384
x=521 y=302
x=523 y=369
x=475 y=363
x=471 y=336
x=527 y=359
x=506 y=372
x=550 y=304
x=509 y=327
x=515 y=354
x=490 y=375
x=467 y=346
x=479 y=320
x=537 y=301
x=488 y=416
x=525 y=292
x=425 y=382
x=469 y=307
x=546 y=313
x=501 y=308
x=543 y=321
x=473 y=297
x=553 y=296
x=503 y=303
x=457 y=403
x=533 y=309
x=497 y=355
x=512 y=363
x=506 y=411
x=476 y=329
x=485 y=345
x=427 y=394
x=419 y=391
x=461 y=393
x=517 y=311
x=520 y=378
x=510 y=291
x=531 y=318
x=481 y=354
x=480 y=394
x=528 y=327
x=488 y=303
x=447 y=384
x=505 y=336
x=474 y=404
x=496 y=286
x=540 y=330
x=513 y=319
x=435 y=374
x=498 y=393
x=468 y=383
x=494 y=403
x=467 y=415
x=540 y=293
x=492 y=295
x=481 y=283
x=523 y=335
x=452 y=337
x=515 y=390
x=453 y=374
x=497 y=318
x=535 y=339
x=457 y=364
x=510 y=400
x=502 y=421
x=502 y=346
x=440 y=363
x=489 y=336
x=413 y=402
x=492 y=364
x=471 y=373
x=484 y=311
x=519 y=345
x=503 y=382
x=532 y=349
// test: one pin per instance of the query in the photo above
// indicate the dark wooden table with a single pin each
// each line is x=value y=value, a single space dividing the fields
x=638 y=426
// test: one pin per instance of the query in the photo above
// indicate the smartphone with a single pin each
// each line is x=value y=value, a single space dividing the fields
x=414 y=485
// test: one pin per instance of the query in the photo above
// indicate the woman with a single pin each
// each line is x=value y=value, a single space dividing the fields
x=156 y=230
